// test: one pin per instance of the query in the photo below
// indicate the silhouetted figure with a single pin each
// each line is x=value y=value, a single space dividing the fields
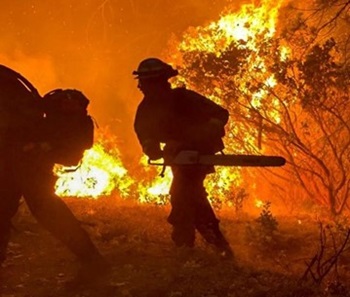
x=182 y=120
x=35 y=134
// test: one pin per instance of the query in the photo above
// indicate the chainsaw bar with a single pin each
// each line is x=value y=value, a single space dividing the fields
x=194 y=158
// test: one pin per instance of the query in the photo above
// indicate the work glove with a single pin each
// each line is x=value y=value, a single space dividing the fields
x=171 y=149
x=152 y=149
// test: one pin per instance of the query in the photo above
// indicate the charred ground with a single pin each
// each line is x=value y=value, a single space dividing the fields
x=135 y=239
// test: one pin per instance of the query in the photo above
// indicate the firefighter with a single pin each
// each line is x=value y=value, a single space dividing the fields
x=26 y=170
x=181 y=119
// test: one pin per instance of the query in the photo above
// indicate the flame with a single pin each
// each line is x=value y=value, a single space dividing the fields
x=99 y=174
x=102 y=173
x=259 y=203
x=245 y=25
x=246 y=29
x=156 y=188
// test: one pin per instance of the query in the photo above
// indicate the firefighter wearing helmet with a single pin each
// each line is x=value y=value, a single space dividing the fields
x=153 y=67
x=181 y=119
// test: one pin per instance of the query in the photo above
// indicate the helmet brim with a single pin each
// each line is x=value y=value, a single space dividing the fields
x=155 y=74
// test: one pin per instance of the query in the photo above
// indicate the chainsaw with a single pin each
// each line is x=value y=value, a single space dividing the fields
x=195 y=158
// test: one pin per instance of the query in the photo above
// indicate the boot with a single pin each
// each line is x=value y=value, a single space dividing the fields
x=225 y=251
x=93 y=272
x=212 y=234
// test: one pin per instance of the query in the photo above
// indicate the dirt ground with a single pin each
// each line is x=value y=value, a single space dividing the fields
x=135 y=239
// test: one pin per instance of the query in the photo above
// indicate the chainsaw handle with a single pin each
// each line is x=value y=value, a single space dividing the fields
x=183 y=158
x=150 y=162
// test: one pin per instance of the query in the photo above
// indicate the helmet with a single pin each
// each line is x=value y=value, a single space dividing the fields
x=65 y=101
x=154 y=68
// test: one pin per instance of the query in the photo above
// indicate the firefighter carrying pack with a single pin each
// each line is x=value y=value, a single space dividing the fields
x=69 y=128
x=56 y=125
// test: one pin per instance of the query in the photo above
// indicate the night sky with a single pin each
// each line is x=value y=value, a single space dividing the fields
x=93 y=45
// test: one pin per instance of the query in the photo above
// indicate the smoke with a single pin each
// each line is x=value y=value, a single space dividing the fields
x=94 y=46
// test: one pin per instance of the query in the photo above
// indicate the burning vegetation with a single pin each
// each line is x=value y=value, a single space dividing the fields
x=286 y=88
x=282 y=70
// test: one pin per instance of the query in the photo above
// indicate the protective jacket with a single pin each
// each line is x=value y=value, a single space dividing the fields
x=182 y=116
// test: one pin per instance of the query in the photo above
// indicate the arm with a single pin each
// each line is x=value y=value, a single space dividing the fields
x=144 y=130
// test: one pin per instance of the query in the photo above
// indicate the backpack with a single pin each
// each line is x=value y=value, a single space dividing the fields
x=68 y=128
x=193 y=115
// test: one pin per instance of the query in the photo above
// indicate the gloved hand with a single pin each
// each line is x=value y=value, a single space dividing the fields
x=152 y=150
x=171 y=149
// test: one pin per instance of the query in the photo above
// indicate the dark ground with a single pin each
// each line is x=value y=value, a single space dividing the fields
x=135 y=240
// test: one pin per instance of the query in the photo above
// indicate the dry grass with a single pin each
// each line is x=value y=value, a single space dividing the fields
x=136 y=240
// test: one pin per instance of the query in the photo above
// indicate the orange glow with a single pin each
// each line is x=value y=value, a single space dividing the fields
x=259 y=203
x=99 y=174
x=102 y=173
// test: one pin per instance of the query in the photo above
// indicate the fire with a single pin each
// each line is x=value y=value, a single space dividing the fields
x=99 y=174
x=154 y=189
x=259 y=203
x=245 y=25
x=246 y=29
x=102 y=173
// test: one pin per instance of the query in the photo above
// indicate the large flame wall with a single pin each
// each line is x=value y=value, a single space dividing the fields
x=94 y=46
x=97 y=171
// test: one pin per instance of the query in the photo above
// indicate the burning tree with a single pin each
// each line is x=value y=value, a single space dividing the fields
x=287 y=92
x=286 y=85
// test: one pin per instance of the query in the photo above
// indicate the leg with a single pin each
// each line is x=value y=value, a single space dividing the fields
x=182 y=213
x=53 y=214
x=10 y=195
x=205 y=220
